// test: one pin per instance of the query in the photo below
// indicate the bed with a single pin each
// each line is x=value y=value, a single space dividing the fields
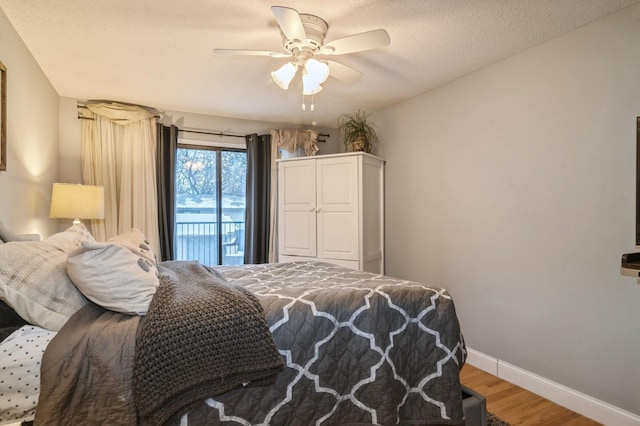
x=276 y=344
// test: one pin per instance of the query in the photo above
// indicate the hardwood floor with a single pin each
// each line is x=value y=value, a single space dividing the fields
x=516 y=405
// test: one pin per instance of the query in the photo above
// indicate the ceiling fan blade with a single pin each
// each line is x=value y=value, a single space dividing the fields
x=246 y=52
x=357 y=43
x=289 y=22
x=343 y=72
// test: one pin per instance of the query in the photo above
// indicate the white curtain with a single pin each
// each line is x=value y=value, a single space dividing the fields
x=291 y=140
x=273 y=202
x=119 y=153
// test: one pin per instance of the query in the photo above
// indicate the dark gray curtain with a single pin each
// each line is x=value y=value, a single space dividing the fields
x=166 y=166
x=257 y=220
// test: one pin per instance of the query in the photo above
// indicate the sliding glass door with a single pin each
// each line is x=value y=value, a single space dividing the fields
x=210 y=204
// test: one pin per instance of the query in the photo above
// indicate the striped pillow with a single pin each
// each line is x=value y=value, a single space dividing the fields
x=33 y=279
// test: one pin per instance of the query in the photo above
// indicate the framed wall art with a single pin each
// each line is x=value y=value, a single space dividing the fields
x=3 y=117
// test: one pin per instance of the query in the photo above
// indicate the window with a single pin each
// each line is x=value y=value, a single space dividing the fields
x=210 y=204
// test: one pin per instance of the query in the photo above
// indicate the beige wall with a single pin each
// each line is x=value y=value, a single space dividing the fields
x=32 y=136
x=514 y=188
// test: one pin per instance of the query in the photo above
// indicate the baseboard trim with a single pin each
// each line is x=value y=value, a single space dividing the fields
x=483 y=362
x=586 y=405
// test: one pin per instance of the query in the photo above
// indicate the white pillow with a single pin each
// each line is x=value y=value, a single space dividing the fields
x=120 y=275
x=136 y=242
x=33 y=280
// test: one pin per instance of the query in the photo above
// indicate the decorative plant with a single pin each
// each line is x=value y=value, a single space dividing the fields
x=358 y=133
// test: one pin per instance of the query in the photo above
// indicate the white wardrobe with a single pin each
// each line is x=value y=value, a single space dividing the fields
x=331 y=209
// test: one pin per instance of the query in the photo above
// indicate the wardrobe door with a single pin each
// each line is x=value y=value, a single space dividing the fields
x=297 y=208
x=337 y=209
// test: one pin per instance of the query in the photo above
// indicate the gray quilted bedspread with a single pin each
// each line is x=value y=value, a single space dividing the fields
x=359 y=348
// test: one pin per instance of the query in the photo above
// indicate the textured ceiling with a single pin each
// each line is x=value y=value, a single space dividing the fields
x=159 y=53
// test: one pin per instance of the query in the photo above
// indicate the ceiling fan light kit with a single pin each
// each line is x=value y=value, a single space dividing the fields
x=303 y=38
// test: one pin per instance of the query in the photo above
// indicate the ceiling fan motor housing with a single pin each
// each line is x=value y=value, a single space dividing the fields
x=316 y=29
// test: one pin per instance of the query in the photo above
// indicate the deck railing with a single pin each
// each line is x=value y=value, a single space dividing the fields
x=199 y=241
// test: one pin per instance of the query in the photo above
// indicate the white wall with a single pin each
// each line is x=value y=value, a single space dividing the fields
x=238 y=126
x=32 y=137
x=514 y=188
x=70 y=165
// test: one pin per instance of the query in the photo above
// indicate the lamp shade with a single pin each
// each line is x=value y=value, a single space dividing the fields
x=283 y=75
x=73 y=201
x=309 y=85
x=317 y=71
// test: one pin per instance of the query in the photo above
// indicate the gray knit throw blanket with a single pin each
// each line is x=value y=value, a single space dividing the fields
x=201 y=337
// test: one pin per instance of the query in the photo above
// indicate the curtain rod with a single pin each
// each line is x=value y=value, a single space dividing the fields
x=90 y=118
x=202 y=132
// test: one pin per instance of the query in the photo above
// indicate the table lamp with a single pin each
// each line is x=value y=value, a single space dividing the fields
x=74 y=201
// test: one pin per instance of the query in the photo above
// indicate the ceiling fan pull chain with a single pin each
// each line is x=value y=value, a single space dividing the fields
x=304 y=107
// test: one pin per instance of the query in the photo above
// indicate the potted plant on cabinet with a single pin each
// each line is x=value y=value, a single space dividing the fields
x=358 y=133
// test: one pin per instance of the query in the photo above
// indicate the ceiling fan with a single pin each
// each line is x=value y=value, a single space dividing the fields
x=303 y=39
